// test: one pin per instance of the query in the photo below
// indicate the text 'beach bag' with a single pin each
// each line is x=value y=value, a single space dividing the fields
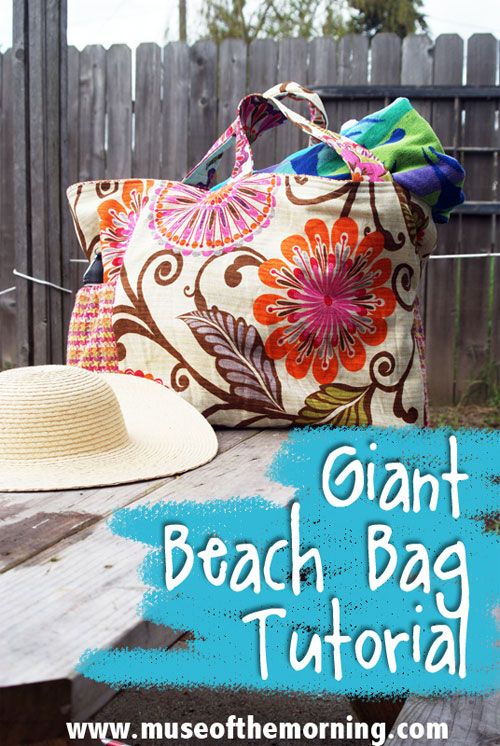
x=270 y=300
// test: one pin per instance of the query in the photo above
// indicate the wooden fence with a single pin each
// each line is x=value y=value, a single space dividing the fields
x=154 y=113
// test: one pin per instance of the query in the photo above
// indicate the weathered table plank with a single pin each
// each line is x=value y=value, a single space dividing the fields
x=472 y=721
x=83 y=591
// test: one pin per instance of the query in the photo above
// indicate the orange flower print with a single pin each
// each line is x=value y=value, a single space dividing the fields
x=330 y=299
x=118 y=219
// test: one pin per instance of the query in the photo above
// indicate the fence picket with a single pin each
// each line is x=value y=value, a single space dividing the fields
x=416 y=66
x=479 y=129
x=232 y=87
x=202 y=100
x=386 y=59
x=92 y=158
x=72 y=167
x=352 y=70
x=322 y=70
x=292 y=65
x=8 y=300
x=175 y=110
x=148 y=131
x=262 y=64
x=442 y=275
x=119 y=112
x=38 y=195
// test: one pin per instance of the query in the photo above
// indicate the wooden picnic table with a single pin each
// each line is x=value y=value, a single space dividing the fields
x=68 y=584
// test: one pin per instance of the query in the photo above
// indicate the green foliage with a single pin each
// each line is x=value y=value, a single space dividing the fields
x=250 y=19
x=403 y=17
x=240 y=19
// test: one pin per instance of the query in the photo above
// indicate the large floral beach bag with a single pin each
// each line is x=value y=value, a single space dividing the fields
x=272 y=299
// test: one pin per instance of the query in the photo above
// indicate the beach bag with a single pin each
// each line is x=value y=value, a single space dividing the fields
x=272 y=299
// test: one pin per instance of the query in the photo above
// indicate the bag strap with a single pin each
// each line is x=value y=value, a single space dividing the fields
x=256 y=116
x=260 y=112
x=299 y=92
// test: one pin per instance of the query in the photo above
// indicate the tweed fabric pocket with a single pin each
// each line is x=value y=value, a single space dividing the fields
x=91 y=341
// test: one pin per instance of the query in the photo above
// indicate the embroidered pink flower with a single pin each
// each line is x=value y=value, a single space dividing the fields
x=118 y=219
x=331 y=299
x=189 y=219
x=362 y=164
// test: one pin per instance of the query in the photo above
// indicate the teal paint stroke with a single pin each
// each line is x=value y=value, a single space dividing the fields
x=224 y=650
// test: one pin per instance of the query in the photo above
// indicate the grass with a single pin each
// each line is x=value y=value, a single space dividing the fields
x=471 y=412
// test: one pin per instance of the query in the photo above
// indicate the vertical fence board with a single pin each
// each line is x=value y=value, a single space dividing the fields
x=442 y=275
x=38 y=165
x=175 y=110
x=416 y=69
x=55 y=82
x=92 y=160
x=385 y=52
x=292 y=65
x=72 y=173
x=322 y=70
x=21 y=179
x=232 y=87
x=479 y=129
x=147 y=114
x=39 y=139
x=262 y=64
x=8 y=300
x=494 y=361
x=202 y=100
x=119 y=112
x=386 y=59
x=416 y=66
x=352 y=70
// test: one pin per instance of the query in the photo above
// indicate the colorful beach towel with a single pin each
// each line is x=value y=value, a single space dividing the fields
x=408 y=147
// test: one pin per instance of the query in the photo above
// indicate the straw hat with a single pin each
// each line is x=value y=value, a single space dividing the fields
x=63 y=427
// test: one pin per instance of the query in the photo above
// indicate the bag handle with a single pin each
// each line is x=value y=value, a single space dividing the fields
x=256 y=116
x=260 y=112
x=299 y=92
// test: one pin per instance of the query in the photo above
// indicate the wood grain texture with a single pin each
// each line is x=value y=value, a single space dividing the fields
x=72 y=172
x=8 y=352
x=352 y=66
x=482 y=172
x=471 y=721
x=39 y=135
x=292 y=65
x=21 y=180
x=92 y=113
x=442 y=276
x=175 y=110
x=59 y=600
x=322 y=68
x=232 y=84
x=54 y=131
x=38 y=193
x=262 y=64
x=416 y=66
x=385 y=59
x=202 y=100
x=147 y=114
x=119 y=112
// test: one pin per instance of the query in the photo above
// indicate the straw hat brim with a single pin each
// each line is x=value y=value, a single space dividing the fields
x=167 y=436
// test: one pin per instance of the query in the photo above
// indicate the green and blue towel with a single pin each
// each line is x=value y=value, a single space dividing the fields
x=407 y=145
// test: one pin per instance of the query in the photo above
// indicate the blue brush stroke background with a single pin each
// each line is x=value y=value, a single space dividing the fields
x=224 y=651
